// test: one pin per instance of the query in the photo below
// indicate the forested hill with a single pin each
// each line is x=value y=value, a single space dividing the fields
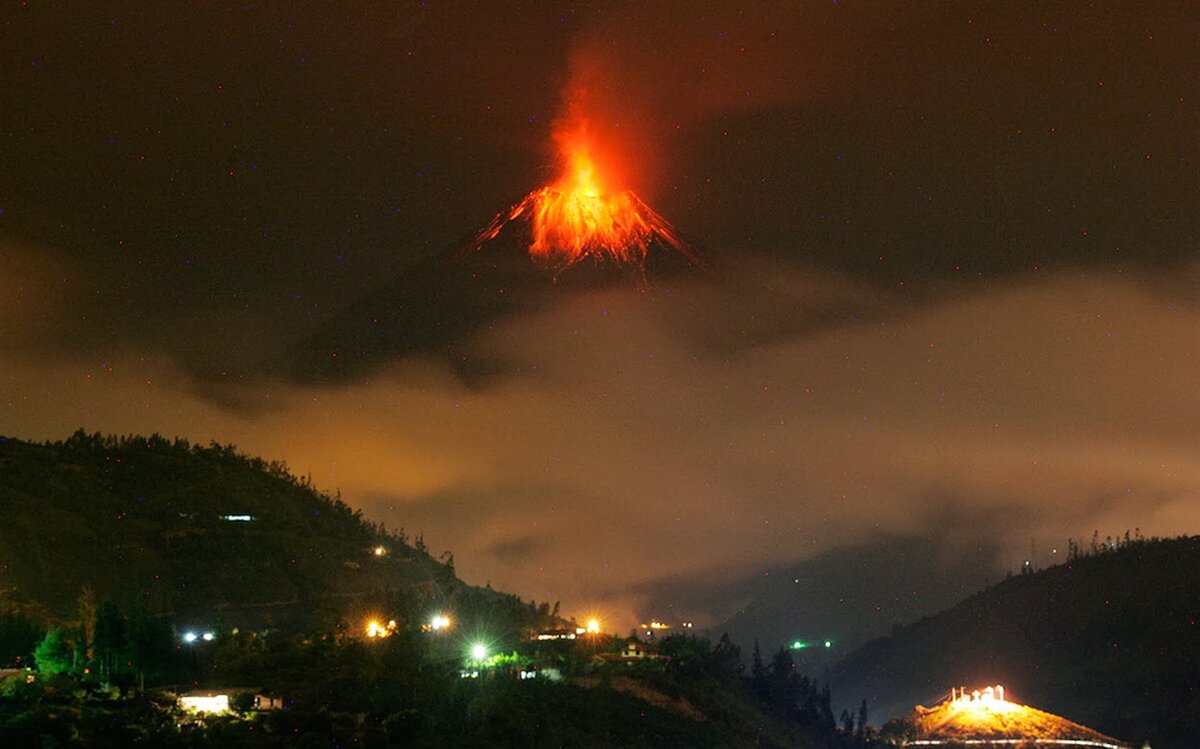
x=202 y=533
x=1110 y=639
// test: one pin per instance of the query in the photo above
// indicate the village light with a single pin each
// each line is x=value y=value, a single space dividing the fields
x=207 y=636
x=380 y=551
x=189 y=636
x=593 y=626
x=375 y=628
x=205 y=703
x=439 y=621
x=479 y=652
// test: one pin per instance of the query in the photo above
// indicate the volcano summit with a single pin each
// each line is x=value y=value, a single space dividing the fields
x=575 y=219
x=521 y=260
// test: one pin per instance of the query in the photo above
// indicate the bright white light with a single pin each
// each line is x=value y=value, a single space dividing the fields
x=593 y=626
x=189 y=636
x=440 y=621
x=217 y=703
x=479 y=652
x=208 y=636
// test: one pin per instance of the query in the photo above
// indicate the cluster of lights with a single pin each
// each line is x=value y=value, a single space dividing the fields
x=654 y=626
x=377 y=629
x=801 y=644
x=987 y=695
x=190 y=636
x=439 y=622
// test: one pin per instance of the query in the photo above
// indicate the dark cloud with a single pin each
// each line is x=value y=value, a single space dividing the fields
x=949 y=292
x=279 y=166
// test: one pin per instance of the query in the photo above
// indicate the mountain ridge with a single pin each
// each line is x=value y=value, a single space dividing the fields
x=1109 y=638
x=197 y=532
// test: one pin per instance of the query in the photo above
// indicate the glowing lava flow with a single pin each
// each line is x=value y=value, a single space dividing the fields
x=575 y=218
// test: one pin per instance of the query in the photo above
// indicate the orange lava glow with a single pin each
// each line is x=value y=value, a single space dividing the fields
x=578 y=217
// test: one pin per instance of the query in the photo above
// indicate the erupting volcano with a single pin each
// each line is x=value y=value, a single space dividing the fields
x=578 y=216
x=441 y=302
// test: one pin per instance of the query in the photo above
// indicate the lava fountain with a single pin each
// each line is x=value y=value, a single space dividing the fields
x=577 y=217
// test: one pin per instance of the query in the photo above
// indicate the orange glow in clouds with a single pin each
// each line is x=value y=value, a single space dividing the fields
x=580 y=216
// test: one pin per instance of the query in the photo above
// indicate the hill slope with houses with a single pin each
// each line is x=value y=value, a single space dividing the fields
x=136 y=570
x=199 y=533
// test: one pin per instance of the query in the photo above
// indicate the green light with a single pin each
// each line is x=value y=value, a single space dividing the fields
x=479 y=651
x=799 y=645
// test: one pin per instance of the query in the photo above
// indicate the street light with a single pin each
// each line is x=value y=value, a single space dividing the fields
x=479 y=652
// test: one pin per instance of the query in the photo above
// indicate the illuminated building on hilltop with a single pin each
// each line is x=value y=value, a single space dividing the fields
x=655 y=628
x=986 y=718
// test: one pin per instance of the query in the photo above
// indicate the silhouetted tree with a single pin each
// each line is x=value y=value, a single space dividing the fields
x=86 y=607
x=726 y=659
x=109 y=638
x=758 y=675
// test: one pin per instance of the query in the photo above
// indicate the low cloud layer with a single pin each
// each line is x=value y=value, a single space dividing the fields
x=624 y=452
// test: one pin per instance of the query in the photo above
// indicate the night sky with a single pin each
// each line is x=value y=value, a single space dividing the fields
x=952 y=291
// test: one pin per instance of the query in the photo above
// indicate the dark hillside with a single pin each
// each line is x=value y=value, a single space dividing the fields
x=147 y=522
x=1111 y=640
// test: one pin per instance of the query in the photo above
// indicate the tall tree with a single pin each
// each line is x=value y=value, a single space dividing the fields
x=86 y=608
x=150 y=644
x=726 y=660
x=758 y=674
x=55 y=654
x=109 y=638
